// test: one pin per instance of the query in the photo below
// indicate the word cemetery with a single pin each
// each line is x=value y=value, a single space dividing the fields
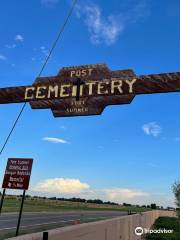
x=88 y=89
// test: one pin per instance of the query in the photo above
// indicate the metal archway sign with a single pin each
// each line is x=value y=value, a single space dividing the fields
x=88 y=89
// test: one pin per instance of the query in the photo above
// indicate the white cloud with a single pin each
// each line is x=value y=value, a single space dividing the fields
x=70 y=187
x=55 y=140
x=3 y=58
x=177 y=139
x=107 y=29
x=153 y=165
x=74 y=187
x=19 y=38
x=61 y=185
x=123 y=194
x=63 y=127
x=101 y=29
x=152 y=128
x=44 y=51
x=138 y=11
x=10 y=46
x=49 y=3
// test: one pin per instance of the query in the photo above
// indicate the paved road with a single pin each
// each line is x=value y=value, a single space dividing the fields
x=9 y=221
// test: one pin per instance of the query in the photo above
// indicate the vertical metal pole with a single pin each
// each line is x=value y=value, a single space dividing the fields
x=45 y=235
x=20 y=213
x=78 y=89
x=2 y=200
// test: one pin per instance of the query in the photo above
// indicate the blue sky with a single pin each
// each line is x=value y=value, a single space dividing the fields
x=128 y=154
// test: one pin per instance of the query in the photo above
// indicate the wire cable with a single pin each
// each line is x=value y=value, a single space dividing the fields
x=42 y=69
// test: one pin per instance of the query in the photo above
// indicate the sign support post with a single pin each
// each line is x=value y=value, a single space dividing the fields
x=2 y=200
x=20 y=213
x=45 y=235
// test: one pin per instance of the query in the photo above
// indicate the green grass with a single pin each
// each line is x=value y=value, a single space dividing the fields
x=41 y=205
x=167 y=223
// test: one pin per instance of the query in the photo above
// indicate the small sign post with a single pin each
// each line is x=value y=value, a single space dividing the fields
x=2 y=200
x=17 y=176
x=45 y=235
x=20 y=213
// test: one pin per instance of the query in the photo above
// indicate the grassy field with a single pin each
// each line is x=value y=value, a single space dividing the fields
x=12 y=204
x=166 y=223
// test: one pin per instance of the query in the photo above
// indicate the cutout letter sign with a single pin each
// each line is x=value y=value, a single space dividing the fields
x=17 y=173
x=88 y=89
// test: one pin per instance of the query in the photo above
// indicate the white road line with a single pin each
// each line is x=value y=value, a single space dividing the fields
x=23 y=219
x=39 y=224
x=49 y=223
x=34 y=218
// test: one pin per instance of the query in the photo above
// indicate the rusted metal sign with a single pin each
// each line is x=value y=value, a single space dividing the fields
x=88 y=89
x=17 y=173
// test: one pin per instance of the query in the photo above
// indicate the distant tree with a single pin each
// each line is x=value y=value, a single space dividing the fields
x=35 y=197
x=61 y=199
x=176 y=191
x=143 y=206
x=127 y=204
x=52 y=198
x=77 y=200
x=110 y=203
x=97 y=201
x=153 y=206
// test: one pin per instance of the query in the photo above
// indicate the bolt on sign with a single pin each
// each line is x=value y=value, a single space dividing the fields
x=88 y=89
x=17 y=173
